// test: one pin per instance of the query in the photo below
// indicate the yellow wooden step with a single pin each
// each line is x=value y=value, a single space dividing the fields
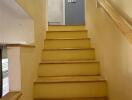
x=66 y=34
x=69 y=79
x=66 y=43
x=12 y=96
x=82 y=98
x=70 y=87
x=68 y=54
x=69 y=68
x=66 y=28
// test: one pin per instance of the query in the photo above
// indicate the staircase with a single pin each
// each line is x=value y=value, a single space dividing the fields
x=69 y=69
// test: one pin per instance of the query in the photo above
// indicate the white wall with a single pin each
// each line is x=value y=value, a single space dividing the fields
x=14 y=68
x=15 y=25
x=56 y=11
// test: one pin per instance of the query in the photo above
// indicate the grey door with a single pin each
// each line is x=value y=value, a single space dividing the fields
x=74 y=12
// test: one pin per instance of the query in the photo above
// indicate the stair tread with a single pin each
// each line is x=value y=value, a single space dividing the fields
x=69 y=49
x=63 y=30
x=68 y=39
x=51 y=31
x=70 y=79
x=85 y=98
x=69 y=61
x=12 y=96
x=90 y=98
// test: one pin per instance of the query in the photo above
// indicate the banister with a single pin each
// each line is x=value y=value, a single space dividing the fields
x=121 y=23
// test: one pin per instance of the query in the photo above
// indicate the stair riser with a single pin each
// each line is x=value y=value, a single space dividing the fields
x=65 y=28
x=70 y=90
x=56 y=44
x=69 y=69
x=65 y=35
x=68 y=54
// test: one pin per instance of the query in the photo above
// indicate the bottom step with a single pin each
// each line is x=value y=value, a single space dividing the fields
x=98 y=98
x=12 y=96
x=70 y=87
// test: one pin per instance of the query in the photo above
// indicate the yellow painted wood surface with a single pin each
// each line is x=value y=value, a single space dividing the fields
x=69 y=68
x=65 y=69
x=56 y=44
x=65 y=35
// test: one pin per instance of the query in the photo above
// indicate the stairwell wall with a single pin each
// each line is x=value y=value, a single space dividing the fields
x=31 y=57
x=113 y=50
x=15 y=25
x=124 y=7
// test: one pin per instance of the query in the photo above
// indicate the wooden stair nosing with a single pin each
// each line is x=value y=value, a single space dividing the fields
x=46 y=82
x=69 y=62
x=67 y=25
x=67 y=49
x=67 y=39
x=69 y=75
x=81 y=98
x=71 y=79
x=50 y=31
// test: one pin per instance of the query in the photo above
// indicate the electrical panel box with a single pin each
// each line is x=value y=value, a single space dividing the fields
x=72 y=1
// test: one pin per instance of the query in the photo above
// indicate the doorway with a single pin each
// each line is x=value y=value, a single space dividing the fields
x=66 y=12
x=4 y=70
x=56 y=12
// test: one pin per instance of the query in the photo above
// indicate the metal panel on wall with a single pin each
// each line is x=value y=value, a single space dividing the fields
x=75 y=12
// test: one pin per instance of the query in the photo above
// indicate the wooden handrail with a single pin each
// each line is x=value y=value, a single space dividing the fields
x=121 y=23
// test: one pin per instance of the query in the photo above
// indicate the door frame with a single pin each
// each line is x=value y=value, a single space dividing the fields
x=85 y=12
x=63 y=12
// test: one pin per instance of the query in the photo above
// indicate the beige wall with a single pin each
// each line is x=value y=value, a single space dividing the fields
x=31 y=57
x=28 y=6
x=124 y=7
x=15 y=25
x=113 y=50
